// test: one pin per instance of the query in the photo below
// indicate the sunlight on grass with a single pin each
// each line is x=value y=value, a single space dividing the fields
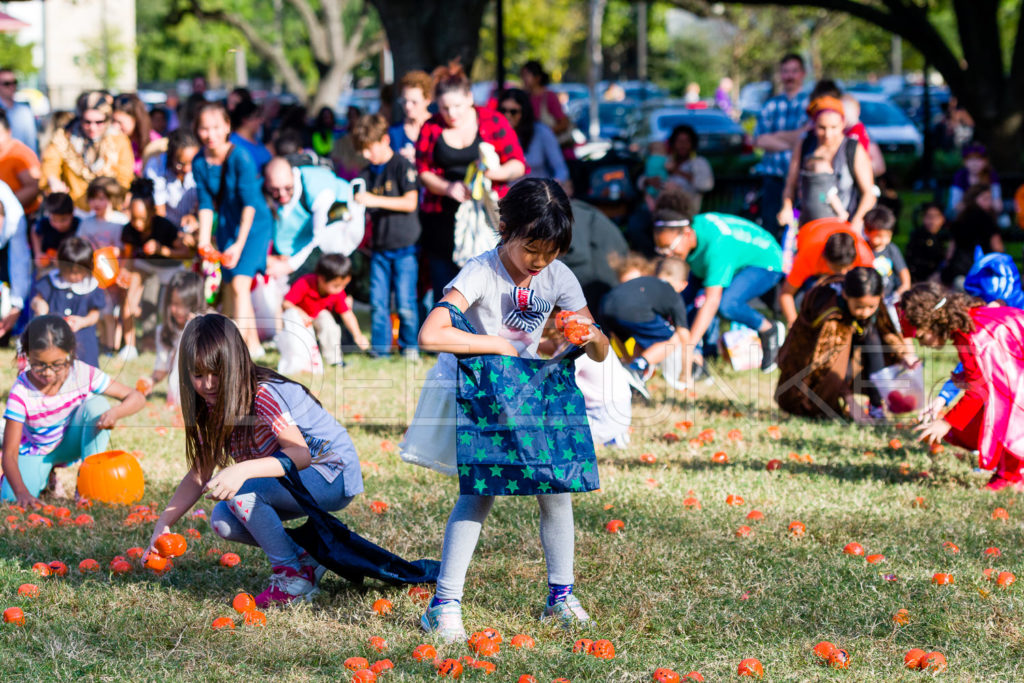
x=674 y=588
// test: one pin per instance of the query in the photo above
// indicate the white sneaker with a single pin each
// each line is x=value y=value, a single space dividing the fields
x=445 y=620
x=287 y=586
x=128 y=353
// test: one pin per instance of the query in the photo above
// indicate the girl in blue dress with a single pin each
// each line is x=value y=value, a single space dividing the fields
x=230 y=189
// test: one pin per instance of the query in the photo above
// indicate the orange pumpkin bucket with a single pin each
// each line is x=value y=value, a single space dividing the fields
x=112 y=477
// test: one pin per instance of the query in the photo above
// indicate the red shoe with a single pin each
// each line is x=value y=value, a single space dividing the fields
x=286 y=586
x=998 y=483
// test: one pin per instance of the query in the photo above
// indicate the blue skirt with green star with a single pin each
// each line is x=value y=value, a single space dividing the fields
x=521 y=425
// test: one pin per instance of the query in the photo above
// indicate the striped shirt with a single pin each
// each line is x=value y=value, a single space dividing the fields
x=282 y=404
x=46 y=418
x=778 y=114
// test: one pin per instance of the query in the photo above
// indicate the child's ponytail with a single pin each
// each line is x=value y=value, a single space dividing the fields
x=939 y=310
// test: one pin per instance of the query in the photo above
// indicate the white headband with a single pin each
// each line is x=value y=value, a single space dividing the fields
x=671 y=224
x=942 y=302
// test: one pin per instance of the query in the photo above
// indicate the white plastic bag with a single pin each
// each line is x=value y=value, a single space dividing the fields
x=901 y=388
x=296 y=342
x=474 y=231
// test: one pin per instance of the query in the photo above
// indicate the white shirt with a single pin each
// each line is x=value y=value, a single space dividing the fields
x=103 y=232
x=489 y=290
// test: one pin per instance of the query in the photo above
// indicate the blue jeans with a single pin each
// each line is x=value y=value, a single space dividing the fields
x=747 y=284
x=81 y=440
x=442 y=271
x=397 y=270
x=255 y=514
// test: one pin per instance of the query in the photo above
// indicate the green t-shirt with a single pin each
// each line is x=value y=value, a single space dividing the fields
x=728 y=244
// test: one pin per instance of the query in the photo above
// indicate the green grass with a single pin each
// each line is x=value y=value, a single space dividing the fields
x=676 y=588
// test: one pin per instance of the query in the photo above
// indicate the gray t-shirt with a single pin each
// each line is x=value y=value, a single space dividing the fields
x=518 y=314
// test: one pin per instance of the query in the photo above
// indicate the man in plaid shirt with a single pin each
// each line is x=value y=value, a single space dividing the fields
x=778 y=129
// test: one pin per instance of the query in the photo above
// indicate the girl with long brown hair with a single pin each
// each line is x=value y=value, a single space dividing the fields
x=241 y=418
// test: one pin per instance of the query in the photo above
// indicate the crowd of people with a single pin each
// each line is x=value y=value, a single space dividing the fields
x=455 y=223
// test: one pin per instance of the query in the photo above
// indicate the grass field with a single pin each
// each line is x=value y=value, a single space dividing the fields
x=676 y=588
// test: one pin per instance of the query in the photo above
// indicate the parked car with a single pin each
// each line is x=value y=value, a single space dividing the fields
x=888 y=126
x=717 y=132
x=616 y=119
x=637 y=91
x=575 y=91
x=911 y=101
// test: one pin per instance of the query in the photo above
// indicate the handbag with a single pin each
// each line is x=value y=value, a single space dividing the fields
x=476 y=219
x=521 y=424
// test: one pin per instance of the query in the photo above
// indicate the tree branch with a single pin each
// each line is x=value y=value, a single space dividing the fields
x=904 y=20
x=315 y=29
x=268 y=51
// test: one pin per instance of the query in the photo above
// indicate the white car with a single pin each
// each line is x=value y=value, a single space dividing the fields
x=889 y=128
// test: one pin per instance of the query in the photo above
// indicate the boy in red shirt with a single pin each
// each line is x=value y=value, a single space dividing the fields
x=316 y=297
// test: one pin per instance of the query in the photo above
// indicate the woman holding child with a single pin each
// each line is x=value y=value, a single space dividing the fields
x=827 y=163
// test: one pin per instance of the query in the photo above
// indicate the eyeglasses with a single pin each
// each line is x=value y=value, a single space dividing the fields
x=511 y=111
x=94 y=122
x=42 y=368
x=671 y=248
x=9 y=84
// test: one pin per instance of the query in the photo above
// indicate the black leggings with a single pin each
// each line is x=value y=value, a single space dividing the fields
x=872 y=360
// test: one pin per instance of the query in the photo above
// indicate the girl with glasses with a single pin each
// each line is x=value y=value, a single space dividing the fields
x=543 y=155
x=56 y=412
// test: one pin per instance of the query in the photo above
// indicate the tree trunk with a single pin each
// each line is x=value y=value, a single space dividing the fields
x=425 y=35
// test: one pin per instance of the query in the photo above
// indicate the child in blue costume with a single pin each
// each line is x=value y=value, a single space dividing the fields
x=507 y=294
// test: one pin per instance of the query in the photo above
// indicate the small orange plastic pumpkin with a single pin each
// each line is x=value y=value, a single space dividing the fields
x=1000 y=513
x=88 y=566
x=732 y=499
x=229 y=560
x=840 y=659
x=755 y=515
x=743 y=531
x=902 y=617
x=58 y=568
x=614 y=526
x=912 y=660
x=875 y=559
x=1005 y=579
x=171 y=545
x=951 y=548
x=378 y=643
x=993 y=552
x=941 y=579
x=243 y=602
x=575 y=331
x=120 y=567
x=28 y=590
x=223 y=622
x=41 y=568
x=158 y=564
x=382 y=606
x=450 y=668
x=603 y=649
x=583 y=645
x=797 y=528
x=665 y=676
x=363 y=676
x=824 y=649
x=750 y=667
x=419 y=594
x=378 y=507
x=254 y=617
x=523 y=641
x=113 y=477
x=356 y=663
x=424 y=653
x=14 y=615
x=854 y=549
x=694 y=676
x=381 y=666
x=933 y=661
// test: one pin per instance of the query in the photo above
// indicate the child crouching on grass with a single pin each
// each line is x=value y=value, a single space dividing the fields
x=239 y=417
x=55 y=412
x=990 y=343
x=506 y=294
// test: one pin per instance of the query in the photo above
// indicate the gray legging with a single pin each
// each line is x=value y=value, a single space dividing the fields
x=463 y=531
